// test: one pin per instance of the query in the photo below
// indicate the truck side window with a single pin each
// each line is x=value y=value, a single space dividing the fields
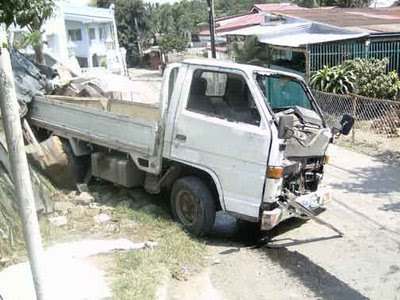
x=172 y=81
x=222 y=95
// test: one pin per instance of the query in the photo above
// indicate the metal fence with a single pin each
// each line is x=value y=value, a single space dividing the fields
x=377 y=122
x=336 y=53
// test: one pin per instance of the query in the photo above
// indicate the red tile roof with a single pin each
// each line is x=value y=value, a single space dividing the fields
x=236 y=23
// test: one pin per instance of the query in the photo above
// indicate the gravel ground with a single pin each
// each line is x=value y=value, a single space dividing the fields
x=307 y=260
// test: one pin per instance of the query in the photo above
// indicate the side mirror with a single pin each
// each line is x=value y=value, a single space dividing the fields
x=285 y=127
x=346 y=124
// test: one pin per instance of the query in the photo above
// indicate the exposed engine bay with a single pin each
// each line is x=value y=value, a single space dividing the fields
x=305 y=151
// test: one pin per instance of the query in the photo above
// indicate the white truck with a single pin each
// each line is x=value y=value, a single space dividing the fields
x=225 y=136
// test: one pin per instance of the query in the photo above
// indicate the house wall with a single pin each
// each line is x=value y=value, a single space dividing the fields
x=56 y=37
x=68 y=16
x=82 y=46
x=88 y=47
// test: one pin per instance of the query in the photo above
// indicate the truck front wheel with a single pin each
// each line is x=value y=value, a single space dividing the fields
x=192 y=204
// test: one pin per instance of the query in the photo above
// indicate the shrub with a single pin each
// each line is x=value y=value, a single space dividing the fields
x=338 y=80
x=365 y=77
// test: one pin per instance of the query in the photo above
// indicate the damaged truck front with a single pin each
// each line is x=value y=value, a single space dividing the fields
x=304 y=141
x=225 y=136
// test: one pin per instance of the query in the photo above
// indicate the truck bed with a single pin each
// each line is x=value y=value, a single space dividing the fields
x=125 y=126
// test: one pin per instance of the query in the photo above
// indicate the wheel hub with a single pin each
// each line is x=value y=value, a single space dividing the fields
x=187 y=207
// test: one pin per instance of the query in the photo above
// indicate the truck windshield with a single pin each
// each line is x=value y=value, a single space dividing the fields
x=282 y=92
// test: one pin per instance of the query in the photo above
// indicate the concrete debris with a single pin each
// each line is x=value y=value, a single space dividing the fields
x=58 y=221
x=82 y=187
x=73 y=88
x=63 y=207
x=54 y=160
x=30 y=78
x=84 y=198
x=72 y=195
x=101 y=218
x=77 y=212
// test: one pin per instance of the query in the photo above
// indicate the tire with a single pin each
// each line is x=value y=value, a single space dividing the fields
x=77 y=166
x=193 y=205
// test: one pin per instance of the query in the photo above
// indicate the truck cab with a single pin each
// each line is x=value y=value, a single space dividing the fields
x=225 y=119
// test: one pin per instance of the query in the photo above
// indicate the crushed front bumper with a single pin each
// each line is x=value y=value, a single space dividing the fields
x=311 y=202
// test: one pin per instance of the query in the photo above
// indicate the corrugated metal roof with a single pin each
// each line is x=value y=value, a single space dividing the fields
x=299 y=34
x=348 y=17
x=262 y=29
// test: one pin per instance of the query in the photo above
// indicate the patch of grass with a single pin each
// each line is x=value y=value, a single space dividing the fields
x=137 y=273
x=12 y=246
x=138 y=217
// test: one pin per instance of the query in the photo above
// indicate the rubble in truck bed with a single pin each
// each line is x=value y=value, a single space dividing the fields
x=33 y=79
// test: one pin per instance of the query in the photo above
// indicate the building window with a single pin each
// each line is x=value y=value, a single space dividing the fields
x=75 y=35
x=92 y=34
x=102 y=33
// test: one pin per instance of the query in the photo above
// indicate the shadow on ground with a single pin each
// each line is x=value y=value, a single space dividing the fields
x=237 y=235
x=228 y=232
x=377 y=181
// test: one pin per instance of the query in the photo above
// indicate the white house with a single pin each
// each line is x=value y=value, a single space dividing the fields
x=87 y=33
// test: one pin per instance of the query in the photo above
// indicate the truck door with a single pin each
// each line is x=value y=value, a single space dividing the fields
x=218 y=127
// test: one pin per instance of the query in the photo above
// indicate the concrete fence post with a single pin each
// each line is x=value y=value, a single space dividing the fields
x=354 y=114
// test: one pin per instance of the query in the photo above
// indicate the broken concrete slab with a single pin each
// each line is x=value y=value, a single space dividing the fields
x=69 y=272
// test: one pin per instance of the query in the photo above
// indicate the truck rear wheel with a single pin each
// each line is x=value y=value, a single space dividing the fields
x=192 y=204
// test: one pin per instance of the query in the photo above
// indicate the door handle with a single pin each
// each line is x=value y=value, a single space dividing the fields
x=181 y=137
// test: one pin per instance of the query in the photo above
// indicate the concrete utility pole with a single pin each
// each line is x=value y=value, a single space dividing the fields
x=19 y=167
x=211 y=21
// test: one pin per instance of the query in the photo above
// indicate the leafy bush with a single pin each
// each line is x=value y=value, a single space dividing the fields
x=365 y=77
x=338 y=80
x=372 y=78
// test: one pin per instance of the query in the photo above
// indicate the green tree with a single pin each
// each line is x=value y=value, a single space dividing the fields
x=30 y=14
x=250 y=52
x=130 y=18
x=171 y=42
x=170 y=25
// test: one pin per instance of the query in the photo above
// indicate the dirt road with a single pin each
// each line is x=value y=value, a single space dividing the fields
x=305 y=260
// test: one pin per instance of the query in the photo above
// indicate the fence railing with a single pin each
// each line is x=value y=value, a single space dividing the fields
x=334 y=54
x=377 y=121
